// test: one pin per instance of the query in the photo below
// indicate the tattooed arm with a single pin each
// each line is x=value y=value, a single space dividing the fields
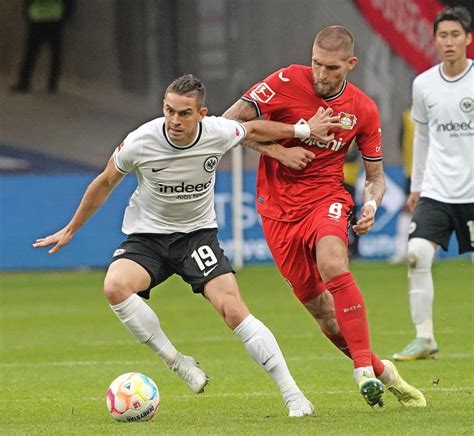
x=373 y=191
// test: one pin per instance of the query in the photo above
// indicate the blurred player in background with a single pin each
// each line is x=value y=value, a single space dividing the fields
x=442 y=180
x=172 y=228
x=46 y=20
x=305 y=209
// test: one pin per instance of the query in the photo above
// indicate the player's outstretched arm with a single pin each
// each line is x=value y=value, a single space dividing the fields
x=95 y=196
x=373 y=194
x=295 y=158
x=318 y=127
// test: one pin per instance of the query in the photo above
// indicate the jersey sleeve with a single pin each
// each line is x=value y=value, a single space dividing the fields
x=265 y=95
x=369 y=138
x=126 y=153
x=232 y=132
x=418 y=108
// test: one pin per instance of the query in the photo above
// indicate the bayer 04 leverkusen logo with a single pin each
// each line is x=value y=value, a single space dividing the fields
x=347 y=120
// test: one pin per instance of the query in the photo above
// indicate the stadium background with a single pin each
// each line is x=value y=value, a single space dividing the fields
x=118 y=57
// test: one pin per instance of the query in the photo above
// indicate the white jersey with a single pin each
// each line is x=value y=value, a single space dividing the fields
x=175 y=191
x=446 y=106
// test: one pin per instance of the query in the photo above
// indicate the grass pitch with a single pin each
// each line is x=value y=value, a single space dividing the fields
x=61 y=346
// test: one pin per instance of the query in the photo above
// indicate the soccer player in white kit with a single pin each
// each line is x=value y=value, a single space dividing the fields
x=442 y=181
x=172 y=228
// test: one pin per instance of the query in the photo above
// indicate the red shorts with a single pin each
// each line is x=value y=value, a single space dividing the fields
x=293 y=244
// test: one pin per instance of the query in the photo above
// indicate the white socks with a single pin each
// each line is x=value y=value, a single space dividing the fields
x=142 y=321
x=421 y=290
x=366 y=371
x=259 y=341
x=263 y=348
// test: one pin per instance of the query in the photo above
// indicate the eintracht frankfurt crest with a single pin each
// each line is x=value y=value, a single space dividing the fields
x=348 y=121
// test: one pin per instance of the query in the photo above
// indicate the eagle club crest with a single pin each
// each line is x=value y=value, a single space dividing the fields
x=210 y=164
x=467 y=104
x=347 y=120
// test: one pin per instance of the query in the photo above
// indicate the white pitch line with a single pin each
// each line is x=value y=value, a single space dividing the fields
x=72 y=363
x=186 y=397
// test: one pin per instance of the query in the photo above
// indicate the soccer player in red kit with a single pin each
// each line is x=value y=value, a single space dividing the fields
x=305 y=209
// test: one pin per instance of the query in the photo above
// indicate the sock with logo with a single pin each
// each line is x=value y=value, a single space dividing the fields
x=142 y=321
x=262 y=346
x=351 y=317
x=339 y=341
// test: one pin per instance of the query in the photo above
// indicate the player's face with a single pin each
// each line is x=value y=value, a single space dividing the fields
x=451 y=41
x=182 y=116
x=330 y=69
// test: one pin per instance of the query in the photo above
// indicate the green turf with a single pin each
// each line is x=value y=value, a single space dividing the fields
x=61 y=346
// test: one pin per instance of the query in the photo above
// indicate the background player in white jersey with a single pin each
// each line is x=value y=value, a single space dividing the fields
x=442 y=181
x=172 y=229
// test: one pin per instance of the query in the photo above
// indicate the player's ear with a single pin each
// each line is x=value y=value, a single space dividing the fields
x=469 y=39
x=202 y=112
x=353 y=61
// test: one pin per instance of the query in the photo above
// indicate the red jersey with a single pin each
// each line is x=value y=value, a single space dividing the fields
x=288 y=96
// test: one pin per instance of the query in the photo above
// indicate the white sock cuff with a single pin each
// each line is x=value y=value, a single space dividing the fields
x=245 y=327
x=130 y=301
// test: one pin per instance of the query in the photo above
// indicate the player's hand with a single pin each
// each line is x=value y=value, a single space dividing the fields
x=59 y=240
x=323 y=121
x=412 y=201
x=366 y=220
x=296 y=158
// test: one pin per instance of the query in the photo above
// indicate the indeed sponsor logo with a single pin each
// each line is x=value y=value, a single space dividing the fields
x=199 y=187
x=451 y=126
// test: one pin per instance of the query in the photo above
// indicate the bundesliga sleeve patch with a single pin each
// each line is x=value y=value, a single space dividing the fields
x=262 y=93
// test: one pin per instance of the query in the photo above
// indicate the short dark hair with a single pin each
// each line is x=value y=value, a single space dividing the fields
x=456 y=13
x=335 y=38
x=188 y=85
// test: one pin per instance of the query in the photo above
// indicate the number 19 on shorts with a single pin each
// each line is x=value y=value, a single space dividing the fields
x=204 y=257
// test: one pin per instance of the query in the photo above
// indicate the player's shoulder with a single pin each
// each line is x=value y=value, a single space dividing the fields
x=427 y=77
x=293 y=71
x=212 y=122
x=360 y=97
x=219 y=126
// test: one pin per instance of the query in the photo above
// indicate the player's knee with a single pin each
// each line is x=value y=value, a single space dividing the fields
x=330 y=268
x=115 y=290
x=420 y=254
x=233 y=309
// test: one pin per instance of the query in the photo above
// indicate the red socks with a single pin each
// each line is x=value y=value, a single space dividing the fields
x=339 y=341
x=352 y=318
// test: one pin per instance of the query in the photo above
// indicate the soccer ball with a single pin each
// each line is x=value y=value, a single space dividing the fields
x=133 y=397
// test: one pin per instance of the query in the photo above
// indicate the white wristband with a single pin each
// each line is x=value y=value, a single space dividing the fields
x=371 y=203
x=302 y=131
